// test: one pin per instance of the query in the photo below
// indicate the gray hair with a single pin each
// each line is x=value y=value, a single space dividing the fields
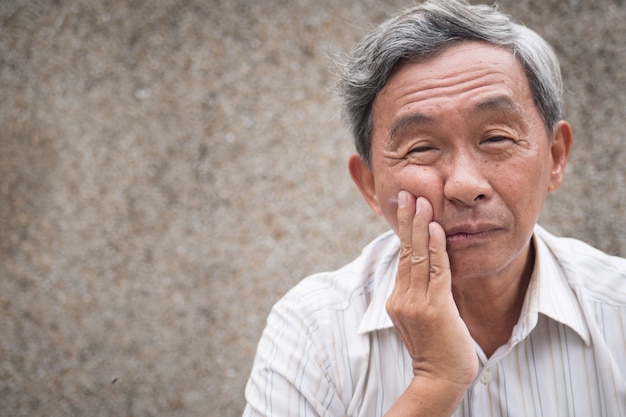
x=422 y=32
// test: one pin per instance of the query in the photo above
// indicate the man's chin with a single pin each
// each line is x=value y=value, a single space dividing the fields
x=474 y=263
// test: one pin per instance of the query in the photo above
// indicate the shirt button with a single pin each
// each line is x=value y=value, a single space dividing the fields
x=485 y=377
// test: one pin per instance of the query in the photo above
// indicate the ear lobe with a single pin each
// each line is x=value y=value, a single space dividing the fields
x=560 y=148
x=363 y=177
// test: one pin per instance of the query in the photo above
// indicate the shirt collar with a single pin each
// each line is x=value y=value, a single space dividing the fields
x=548 y=294
x=376 y=317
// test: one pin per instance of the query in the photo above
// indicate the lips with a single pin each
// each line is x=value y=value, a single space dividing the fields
x=468 y=233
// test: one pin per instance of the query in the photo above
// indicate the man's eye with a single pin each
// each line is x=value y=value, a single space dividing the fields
x=496 y=139
x=421 y=149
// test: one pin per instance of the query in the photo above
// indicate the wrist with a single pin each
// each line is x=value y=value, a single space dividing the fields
x=439 y=396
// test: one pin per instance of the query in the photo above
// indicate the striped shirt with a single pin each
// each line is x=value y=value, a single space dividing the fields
x=330 y=349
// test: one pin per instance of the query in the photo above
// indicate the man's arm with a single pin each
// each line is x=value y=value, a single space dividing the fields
x=289 y=375
x=426 y=318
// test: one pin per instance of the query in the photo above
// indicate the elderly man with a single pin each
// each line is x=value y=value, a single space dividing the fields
x=467 y=307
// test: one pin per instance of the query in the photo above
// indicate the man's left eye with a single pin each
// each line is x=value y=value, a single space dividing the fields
x=496 y=139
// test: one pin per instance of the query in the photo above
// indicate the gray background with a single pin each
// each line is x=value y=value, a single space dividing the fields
x=169 y=168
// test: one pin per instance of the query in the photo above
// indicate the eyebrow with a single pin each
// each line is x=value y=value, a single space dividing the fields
x=404 y=123
x=501 y=103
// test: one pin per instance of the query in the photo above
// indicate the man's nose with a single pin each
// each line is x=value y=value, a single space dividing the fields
x=465 y=182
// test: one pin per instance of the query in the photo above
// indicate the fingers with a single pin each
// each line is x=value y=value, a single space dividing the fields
x=440 y=282
x=424 y=261
x=414 y=215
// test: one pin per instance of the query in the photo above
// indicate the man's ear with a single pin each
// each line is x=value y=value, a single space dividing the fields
x=560 y=147
x=363 y=177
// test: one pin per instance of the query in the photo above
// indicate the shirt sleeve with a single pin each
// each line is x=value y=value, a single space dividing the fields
x=290 y=372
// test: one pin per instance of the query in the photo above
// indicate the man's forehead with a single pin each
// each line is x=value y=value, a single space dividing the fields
x=470 y=71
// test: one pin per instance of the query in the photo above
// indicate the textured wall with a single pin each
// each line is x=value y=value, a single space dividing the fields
x=169 y=168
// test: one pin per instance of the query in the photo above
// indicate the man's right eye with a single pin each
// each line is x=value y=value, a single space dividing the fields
x=421 y=149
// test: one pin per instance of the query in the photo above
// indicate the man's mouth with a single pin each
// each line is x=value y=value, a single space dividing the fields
x=470 y=233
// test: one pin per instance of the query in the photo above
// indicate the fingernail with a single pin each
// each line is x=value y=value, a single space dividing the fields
x=402 y=199
x=418 y=205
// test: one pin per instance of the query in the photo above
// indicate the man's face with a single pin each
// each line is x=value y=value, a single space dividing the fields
x=462 y=130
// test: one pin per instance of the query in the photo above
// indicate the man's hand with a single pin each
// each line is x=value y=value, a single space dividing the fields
x=425 y=315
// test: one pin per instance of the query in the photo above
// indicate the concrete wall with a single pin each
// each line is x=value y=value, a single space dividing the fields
x=169 y=168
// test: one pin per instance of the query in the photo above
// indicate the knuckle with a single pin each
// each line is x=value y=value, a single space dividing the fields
x=392 y=308
x=401 y=312
x=439 y=268
x=417 y=259
x=406 y=251
x=435 y=270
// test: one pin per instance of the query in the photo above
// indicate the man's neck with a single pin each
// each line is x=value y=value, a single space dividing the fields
x=491 y=306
